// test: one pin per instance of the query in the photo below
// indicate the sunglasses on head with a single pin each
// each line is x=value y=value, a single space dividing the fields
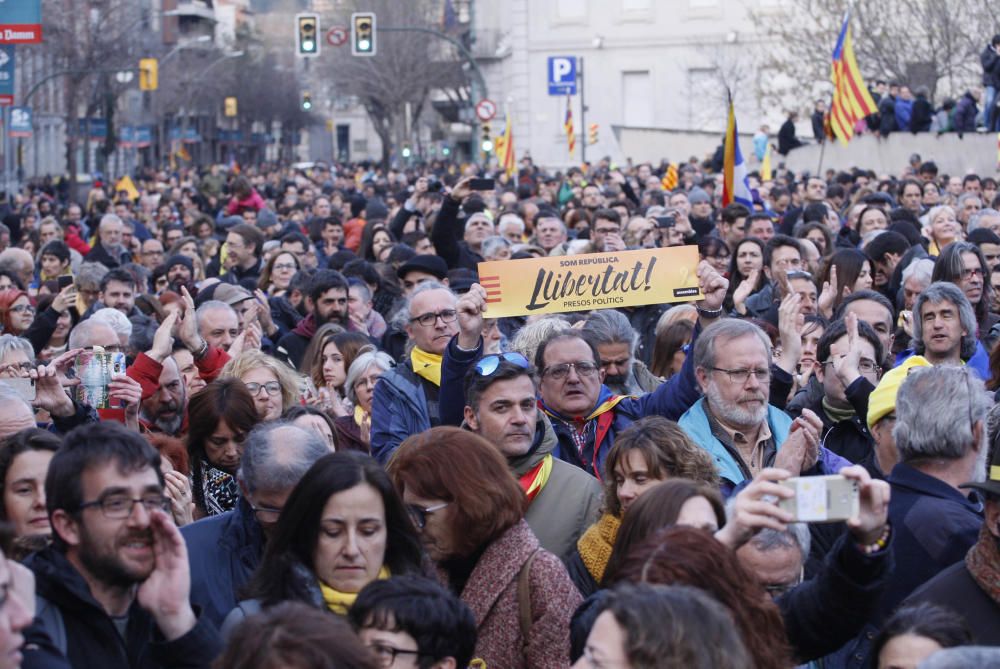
x=487 y=365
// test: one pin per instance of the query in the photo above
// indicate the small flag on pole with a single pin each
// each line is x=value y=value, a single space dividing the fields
x=568 y=126
x=851 y=99
x=505 y=147
x=735 y=187
x=669 y=180
x=765 y=164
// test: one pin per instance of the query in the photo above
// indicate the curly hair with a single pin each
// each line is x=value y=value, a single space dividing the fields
x=669 y=453
x=691 y=556
x=237 y=367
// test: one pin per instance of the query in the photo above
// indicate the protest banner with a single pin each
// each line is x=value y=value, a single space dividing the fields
x=590 y=281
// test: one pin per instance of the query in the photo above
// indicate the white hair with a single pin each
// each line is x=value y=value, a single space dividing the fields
x=116 y=320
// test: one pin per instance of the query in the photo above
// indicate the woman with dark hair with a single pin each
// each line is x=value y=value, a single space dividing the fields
x=24 y=462
x=55 y=316
x=376 y=242
x=819 y=235
x=747 y=264
x=278 y=273
x=668 y=352
x=716 y=252
x=16 y=311
x=294 y=635
x=691 y=556
x=646 y=626
x=470 y=515
x=963 y=264
x=219 y=417
x=650 y=450
x=846 y=271
x=914 y=632
x=674 y=502
x=342 y=527
x=244 y=197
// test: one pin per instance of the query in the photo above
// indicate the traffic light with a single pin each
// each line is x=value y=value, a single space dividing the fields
x=231 y=106
x=363 y=34
x=487 y=140
x=307 y=101
x=148 y=74
x=592 y=134
x=406 y=151
x=307 y=34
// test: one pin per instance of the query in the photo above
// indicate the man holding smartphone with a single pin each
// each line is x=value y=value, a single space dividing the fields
x=459 y=241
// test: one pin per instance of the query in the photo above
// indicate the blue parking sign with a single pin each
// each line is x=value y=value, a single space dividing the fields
x=20 y=122
x=562 y=75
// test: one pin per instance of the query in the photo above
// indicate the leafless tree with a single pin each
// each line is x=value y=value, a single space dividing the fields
x=404 y=71
x=933 y=43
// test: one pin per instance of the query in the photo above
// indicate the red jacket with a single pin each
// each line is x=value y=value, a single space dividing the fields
x=147 y=372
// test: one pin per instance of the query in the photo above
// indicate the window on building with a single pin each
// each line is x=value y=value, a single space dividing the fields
x=637 y=99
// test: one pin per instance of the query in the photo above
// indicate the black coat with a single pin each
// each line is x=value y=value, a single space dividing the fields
x=923 y=113
x=955 y=589
x=825 y=612
x=787 y=139
x=90 y=636
x=447 y=237
x=99 y=254
x=991 y=67
x=887 y=114
x=849 y=439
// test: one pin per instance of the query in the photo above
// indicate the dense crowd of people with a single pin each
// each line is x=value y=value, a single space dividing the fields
x=321 y=450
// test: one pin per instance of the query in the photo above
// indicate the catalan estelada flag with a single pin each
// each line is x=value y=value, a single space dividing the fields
x=669 y=180
x=505 y=148
x=765 y=165
x=735 y=187
x=851 y=99
x=568 y=126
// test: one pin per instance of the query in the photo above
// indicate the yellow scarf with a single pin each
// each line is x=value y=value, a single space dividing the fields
x=426 y=365
x=359 y=415
x=339 y=602
x=596 y=543
x=535 y=478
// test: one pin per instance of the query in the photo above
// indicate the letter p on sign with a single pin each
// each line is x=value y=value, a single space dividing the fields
x=562 y=75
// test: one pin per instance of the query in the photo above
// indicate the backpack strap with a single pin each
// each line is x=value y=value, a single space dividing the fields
x=524 y=596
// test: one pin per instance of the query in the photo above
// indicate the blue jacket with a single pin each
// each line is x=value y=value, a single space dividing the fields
x=223 y=551
x=399 y=409
x=904 y=112
x=979 y=362
x=670 y=400
x=695 y=423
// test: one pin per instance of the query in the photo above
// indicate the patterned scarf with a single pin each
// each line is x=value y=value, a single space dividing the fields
x=596 y=543
x=221 y=490
x=983 y=563
x=426 y=365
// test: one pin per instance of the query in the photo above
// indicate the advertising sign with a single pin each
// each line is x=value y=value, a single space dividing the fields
x=20 y=21
x=590 y=281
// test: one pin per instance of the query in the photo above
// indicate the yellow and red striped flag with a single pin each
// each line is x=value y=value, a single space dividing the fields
x=669 y=180
x=568 y=126
x=505 y=148
x=851 y=99
x=765 y=165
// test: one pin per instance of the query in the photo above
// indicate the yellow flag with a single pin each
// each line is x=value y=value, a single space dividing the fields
x=125 y=184
x=765 y=165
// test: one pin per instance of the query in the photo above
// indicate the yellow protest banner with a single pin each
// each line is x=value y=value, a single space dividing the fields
x=590 y=281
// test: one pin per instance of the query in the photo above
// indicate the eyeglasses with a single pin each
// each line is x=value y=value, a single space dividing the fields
x=283 y=265
x=975 y=271
x=23 y=307
x=265 y=514
x=119 y=507
x=271 y=387
x=741 y=376
x=561 y=371
x=114 y=348
x=18 y=367
x=865 y=366
x=418 y=514
x=487 y=365
x=386 y=655
x=426 y=320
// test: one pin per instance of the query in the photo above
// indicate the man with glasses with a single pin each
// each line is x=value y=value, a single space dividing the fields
x=244 y=245
x=497 y=399
x=151 y=253
x=406 y=398
x=734 y=421
x=225 y=550
x=114 y=585
x=848 y=356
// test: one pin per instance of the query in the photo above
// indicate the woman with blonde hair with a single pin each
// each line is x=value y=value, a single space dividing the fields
x=273 y=385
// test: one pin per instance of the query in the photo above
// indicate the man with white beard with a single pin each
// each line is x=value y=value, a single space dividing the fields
x=109 y=250
x=735 y=423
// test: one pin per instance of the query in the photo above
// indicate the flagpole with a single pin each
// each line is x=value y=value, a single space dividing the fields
x=822 y=150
